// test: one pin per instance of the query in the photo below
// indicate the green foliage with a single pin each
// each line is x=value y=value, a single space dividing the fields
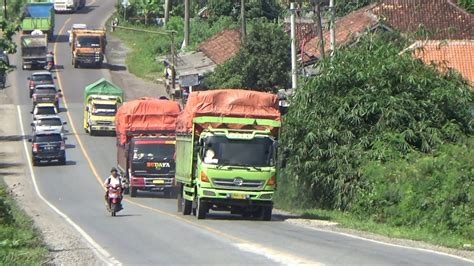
x=147 y=8
x=269 y=9
x=20 y=243
x=263 y=63
x=368 y=104
x=434 y=191
x=467 y=4
x=344 y=7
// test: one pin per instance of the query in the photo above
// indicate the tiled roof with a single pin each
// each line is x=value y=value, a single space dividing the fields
x=222 y=46
x=347 y=28
x=442 y=19
x=305 y=31
x=458 y=55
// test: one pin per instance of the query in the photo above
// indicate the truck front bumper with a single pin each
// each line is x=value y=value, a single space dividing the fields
x=151 y=183
x=236 y=197
x=90 y=59
x=102 y=128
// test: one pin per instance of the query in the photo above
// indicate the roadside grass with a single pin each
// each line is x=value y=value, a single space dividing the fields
x=20 y=242
x=351 y=221
x=145 y=47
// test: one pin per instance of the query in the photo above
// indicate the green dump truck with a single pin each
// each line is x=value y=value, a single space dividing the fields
x=101 y=101
x=38 y=16
x=226 y=153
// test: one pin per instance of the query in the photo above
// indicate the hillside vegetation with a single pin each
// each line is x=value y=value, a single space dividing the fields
x=385 y=138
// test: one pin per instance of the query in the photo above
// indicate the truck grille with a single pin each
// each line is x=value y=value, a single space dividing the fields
x=238 y=183
x=104 y=123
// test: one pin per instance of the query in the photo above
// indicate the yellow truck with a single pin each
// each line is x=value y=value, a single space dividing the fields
x=101 y=101
x=88 y=47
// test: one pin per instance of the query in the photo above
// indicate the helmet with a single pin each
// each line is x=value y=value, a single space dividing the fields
x=113 y=169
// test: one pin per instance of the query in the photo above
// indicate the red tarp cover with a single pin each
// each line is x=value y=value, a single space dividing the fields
x=231 y=103
x=148 y=114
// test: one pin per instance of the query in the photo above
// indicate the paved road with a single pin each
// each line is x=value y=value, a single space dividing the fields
x=149 y=230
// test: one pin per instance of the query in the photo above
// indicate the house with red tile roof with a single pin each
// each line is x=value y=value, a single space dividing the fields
x=436 y=19
x=456 y=55
x=222 y=46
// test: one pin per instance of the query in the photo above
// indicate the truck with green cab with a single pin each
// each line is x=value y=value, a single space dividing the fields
x=226 y=153
x=101 y=101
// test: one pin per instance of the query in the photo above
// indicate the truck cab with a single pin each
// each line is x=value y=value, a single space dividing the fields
x=88 y=47
x=100 y=114
x=151 y=164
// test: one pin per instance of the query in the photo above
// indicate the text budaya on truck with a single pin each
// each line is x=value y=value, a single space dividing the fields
x=88 y=47
x=101 y=101
x=38 y=16
x=146 y=144
x=226 y=153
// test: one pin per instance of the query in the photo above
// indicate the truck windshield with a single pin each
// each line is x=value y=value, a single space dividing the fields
x=104 y=109
x=153 y=151
x=50 y=122
x=45 y=90
x=88 y=41
x=46 y=111
x=256 y=152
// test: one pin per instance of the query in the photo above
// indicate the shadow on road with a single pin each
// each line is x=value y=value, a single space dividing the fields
x=13 y=138
x=86 y=10
x=61 y=38
x=70 y=146
x=126 y=215
x=112 y=67
x=155 y=195
x=62 y=109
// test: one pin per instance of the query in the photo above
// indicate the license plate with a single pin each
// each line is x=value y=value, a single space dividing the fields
x=158 y=181
x=45 y=99
x=238 y=196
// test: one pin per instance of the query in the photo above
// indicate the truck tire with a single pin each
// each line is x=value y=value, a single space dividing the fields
x=201 y=209
x=133 y=192
x=75 y=63
x=187 y=206
x=62 y=161
x=91 y=132
x=180 y=201
x=35 y=162
x=267 y=213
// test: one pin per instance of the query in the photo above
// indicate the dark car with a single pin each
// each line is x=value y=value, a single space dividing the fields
x=39 y=78
x=48 y=146
x=46 y=94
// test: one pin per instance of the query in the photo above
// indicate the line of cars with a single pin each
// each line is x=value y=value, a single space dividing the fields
x=48 y=142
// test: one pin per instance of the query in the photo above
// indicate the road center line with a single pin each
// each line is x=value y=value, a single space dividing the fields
x=275 y=255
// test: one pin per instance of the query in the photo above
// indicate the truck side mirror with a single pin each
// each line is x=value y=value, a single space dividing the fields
x=87 y=108
x=32 y=124
x=28 y=78
x=55 y=77
x=64 y=123
x=30 y=140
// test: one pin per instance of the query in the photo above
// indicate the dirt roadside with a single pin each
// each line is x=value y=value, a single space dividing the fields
x=66 y=246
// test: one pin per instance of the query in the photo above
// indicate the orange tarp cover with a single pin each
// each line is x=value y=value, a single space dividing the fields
x=146 y=114
x=229 y=103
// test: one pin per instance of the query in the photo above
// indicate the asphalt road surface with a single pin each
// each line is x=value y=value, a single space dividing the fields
x=149 y=230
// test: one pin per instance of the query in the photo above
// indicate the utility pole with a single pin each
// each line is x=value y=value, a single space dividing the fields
x=167 y=12
x=317 y=11
x=5 y=13
x=294 y=70
x=332 y=31
x=186 y=24
x=243 y=30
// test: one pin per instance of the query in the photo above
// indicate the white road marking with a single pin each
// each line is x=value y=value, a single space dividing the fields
x=276 y=256
x=101 y=253
x=387 y=244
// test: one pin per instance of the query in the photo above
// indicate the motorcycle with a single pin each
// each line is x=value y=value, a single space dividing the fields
x=114 y=200
x=49 y=66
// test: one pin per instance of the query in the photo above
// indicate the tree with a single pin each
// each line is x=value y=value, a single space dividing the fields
x=269 y=9
x=368 y=104
x=8 y=29
x=148 y=7
x=263 y=63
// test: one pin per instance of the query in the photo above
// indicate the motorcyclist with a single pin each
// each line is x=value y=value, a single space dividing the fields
x=50 y=60
x=115 y=179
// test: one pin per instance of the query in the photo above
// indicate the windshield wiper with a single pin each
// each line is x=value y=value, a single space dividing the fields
x=249 y=166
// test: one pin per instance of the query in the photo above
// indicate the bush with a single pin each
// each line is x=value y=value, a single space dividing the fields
x=368 y=104
x=434 y=192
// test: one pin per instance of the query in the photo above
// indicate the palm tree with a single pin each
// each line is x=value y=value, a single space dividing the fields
x=147 y=7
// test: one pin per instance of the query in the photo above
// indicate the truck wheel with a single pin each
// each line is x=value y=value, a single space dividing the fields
x=35 y=162
x=267 y=213
x=62 y=161
x=201 y=209
x=75 y=63
x=187 y=206
x=91 y=132
x=180 y=201
x=133 y=192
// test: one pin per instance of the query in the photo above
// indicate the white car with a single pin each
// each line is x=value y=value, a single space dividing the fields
x=75 y=26
x=44 y=109
x=48 y=123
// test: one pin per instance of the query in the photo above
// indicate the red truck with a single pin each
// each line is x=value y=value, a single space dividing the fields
x=146 y=144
